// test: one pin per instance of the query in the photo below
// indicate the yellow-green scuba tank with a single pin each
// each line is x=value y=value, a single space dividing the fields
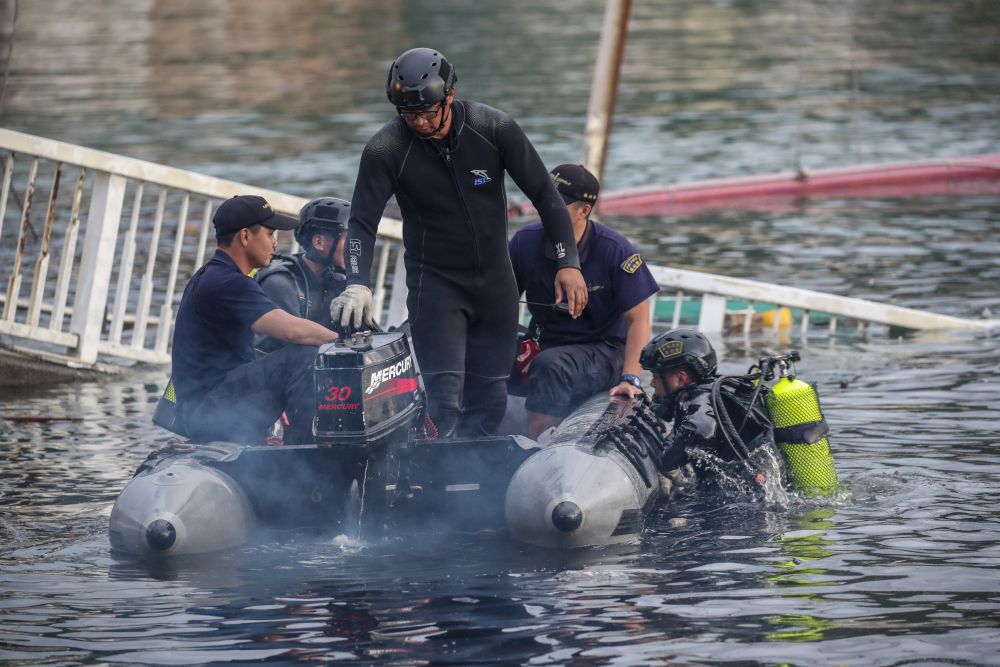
x=800 y=432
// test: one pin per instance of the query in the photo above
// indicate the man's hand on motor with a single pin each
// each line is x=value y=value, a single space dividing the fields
x=353 y=307
x=570 y=283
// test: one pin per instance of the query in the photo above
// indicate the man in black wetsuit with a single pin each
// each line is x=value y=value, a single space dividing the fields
x=445 y=159
x=305 y=283
x=707 y=413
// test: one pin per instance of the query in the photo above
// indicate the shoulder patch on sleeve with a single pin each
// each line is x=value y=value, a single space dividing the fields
x=632 y=264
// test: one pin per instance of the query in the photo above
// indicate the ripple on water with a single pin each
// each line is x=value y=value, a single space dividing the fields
x=898 y=568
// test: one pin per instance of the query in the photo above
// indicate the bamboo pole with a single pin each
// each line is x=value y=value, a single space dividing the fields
x=604 y=91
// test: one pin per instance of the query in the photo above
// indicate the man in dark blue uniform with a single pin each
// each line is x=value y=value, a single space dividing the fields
x=305 y=283
x=445 y=160
x=222 y=392
x=599 y=350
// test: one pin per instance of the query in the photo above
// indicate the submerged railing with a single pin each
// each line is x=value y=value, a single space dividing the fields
x=725 y=303
x=145 y=231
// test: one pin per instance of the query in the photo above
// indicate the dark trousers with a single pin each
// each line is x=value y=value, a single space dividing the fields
x=563 y=376
x=464 y=336
x=252 y=397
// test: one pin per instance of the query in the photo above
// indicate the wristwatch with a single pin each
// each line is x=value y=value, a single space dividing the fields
x=631 y=379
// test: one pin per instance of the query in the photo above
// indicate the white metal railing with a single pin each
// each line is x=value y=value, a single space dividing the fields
x=715 y=291
x=145 y=231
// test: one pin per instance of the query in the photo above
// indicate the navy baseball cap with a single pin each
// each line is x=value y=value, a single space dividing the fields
x=246 y=211
x=575 y=183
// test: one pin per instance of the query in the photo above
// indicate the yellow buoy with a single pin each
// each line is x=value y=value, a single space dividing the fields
x=783 y=315
x=801 y=434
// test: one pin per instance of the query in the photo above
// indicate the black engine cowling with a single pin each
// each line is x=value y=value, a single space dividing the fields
x=368 y=391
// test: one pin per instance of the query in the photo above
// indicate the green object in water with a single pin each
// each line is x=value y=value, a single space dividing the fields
x=801 y=434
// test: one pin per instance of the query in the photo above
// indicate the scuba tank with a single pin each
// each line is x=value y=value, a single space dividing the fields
x=800 y=430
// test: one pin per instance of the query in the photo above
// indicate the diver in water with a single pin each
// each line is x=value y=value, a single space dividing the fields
x=600 y=349
x=720 y=423
x=444 y=159
x=305 y=283
x=222 y=391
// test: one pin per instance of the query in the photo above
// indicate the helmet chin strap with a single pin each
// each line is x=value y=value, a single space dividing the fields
x=333 y=249
x=444 y=119
x=327 y=259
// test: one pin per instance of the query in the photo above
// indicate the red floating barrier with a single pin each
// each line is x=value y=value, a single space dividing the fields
x=974 y=175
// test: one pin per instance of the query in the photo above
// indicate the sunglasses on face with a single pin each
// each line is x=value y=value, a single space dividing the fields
x=427 y=114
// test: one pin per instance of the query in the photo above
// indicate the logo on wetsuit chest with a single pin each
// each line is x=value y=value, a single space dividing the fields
x=481 y=177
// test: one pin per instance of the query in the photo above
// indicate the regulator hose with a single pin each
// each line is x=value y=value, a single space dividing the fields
x=729 y=430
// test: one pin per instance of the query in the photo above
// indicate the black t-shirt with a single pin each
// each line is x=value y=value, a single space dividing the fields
x=212 y=332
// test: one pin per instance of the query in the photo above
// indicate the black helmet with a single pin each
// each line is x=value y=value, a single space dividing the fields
x=323 y=214
x=677 y=348
x=419 y=78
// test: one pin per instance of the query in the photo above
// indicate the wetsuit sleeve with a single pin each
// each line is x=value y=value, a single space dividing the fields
x=376 y=182
x=674 y=454
x=694 y=426
x=528 y=171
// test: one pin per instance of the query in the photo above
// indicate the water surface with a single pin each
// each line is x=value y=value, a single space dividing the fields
x=899 y=569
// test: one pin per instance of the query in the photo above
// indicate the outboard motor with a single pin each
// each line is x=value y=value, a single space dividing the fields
x=368 y=391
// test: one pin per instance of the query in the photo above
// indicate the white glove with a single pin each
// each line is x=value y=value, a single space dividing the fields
x=352 y=307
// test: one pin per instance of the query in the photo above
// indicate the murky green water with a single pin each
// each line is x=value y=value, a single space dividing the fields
x=902 y=569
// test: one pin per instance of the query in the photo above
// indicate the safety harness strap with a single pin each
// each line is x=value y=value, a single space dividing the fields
x=808 y=433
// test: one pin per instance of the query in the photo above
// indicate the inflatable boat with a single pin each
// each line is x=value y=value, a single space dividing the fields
x=589 y=481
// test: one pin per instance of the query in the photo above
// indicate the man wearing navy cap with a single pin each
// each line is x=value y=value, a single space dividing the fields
x=600 y=349
x=223 y=392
